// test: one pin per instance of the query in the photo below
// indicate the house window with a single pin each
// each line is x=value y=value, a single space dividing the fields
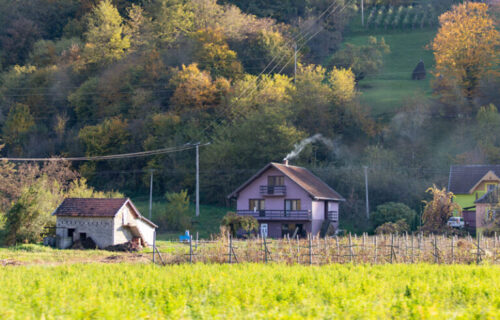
x=70 y=233
x=292 y=204
x=275 y=180
x=83 y=236
x=257 y=204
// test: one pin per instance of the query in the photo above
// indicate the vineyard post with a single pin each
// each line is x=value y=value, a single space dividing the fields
x=265 y=248
x=478 y=255
x=495 y=240
x=392 y=246
x=420 y=241
x=190 y=249
x=298 y=250
x=436 y=257
x=196 y=243
x=154 y=245
x=364 y=240
x=338 y=248
x=230 y=256
x=406 y=246
x=375 y=245
x=351 y=254
x=452 y=250
x=310 y=250
x=412 y=253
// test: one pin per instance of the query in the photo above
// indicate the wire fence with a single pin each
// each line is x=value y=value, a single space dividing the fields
x=406 y=248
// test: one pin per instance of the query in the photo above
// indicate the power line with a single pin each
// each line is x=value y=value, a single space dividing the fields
x=109 y=157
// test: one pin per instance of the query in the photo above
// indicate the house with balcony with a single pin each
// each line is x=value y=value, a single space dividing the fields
x=288 y=200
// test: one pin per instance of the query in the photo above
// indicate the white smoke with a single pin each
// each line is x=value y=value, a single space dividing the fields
x=298 y=147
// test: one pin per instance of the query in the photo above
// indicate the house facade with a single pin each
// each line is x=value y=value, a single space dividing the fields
x=472 y=186
x=288 y=200
x=107 y=221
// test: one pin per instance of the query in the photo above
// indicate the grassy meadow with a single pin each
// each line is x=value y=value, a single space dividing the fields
x=390 y=88
x=249 y=291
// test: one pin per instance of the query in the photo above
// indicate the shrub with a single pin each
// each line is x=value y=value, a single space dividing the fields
x=235 y=223
x=393 y=228
x=176 y=215
x=393 y=212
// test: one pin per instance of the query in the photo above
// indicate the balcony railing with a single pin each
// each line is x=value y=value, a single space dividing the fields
x=273 y=190
x=333 y=216
x=277 y=214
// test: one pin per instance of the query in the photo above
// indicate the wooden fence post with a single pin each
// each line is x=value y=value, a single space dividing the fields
x=230 y=253
x=436 y=255
x=154 y=245
x=310 y=250
x=338 y=248
x=190 y=249
x=392 y=246
x=452 y=249
x=375 y=245
x=478 y=255
x=351 y=253
x=265 y=248
x=298 y=250
x=412 y=251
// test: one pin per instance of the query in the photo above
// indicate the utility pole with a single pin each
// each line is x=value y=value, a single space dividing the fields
x=366 y=193
x=197 y=179
x=362 y=13
x=295 y=66
x=151 y=195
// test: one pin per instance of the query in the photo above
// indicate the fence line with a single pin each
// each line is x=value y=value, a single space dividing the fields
x=380 y=249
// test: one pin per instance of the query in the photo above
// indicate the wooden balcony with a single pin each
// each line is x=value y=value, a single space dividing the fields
x=277 y=214
x=270 y=191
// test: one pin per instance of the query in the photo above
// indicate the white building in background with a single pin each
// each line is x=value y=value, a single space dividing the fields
x=107 y=221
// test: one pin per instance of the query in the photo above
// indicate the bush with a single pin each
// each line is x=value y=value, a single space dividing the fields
x=393 y=228
x=235 y=223
x=176 y=215
x=393 y=212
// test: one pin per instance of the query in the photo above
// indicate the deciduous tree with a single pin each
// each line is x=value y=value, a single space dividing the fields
x=438 y=210
x=466 y=46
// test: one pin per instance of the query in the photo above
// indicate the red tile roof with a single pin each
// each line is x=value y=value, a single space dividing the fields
x=86 y=207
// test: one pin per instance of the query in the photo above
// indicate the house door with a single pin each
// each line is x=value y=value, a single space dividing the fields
x=326 y=210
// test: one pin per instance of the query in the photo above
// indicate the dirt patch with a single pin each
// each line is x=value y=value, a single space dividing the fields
x=10 y=262
x=130 y=258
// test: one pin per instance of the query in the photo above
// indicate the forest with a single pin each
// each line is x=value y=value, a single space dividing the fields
x=91 y=78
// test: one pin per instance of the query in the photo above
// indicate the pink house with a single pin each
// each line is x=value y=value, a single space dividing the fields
x=287 y=199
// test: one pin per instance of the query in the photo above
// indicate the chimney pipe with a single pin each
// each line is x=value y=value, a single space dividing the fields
x=285 y=162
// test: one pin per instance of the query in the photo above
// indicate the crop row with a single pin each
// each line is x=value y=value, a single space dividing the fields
x=401 y=17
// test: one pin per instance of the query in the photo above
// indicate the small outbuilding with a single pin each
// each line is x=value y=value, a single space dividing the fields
x=107 y=221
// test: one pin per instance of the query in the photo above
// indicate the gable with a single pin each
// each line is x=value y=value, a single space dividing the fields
x=464 y=179
x=307 y=181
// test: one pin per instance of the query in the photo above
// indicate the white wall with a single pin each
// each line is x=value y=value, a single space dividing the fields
x=147 y=231
x=99 y=229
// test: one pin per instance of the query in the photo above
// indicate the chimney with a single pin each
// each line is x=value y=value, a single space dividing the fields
x=285 y=162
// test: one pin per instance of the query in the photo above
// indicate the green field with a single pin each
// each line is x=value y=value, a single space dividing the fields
x=249 y=291
x=392 y=86
x=206 y=224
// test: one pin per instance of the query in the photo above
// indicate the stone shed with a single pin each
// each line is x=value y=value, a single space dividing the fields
x=107 y=221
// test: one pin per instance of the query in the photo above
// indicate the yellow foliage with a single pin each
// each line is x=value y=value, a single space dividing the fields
x=343 y=84
x=466 y=46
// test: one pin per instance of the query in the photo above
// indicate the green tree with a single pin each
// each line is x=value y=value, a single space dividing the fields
x=111 y=135
x=235 y=223
x=363 y=60
x=213 y=54
x=105 y=39
x=393 y=212
x=31 y=213
x=18 y=125
x=487 y=133
x=176 y=215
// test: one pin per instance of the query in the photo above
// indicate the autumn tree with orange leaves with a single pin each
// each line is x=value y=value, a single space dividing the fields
x=465 y=48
